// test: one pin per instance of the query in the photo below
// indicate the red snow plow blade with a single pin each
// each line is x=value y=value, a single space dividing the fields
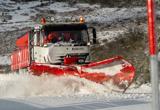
x=116 y=69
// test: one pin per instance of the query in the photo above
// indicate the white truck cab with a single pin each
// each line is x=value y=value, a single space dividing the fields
x=61 y=43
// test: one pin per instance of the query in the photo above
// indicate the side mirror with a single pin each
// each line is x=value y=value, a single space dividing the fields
x=94 y=35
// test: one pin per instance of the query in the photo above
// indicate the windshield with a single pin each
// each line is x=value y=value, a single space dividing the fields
x=79 y=38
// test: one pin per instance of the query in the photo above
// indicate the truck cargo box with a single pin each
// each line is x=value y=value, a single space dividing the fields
x=22 y=41
x=20 y=59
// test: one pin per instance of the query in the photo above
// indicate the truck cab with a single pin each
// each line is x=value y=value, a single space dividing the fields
x=54 y=44
x=60 y=44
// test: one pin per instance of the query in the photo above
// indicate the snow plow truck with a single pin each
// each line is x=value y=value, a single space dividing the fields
x=64 y=49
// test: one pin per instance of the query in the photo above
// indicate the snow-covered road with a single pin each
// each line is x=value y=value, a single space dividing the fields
x=74 y=103
x=28 y=92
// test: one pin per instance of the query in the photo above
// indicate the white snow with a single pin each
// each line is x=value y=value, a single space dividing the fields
x=5 y=60
x=27 y=85
x=86 y=5
x=15 y=26
x=109 y=35
x=110 y=15
x=22 y=17
x=67 y=92
x=24 y=13
x=61 y=7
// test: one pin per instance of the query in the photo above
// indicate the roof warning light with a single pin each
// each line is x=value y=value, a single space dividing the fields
x=81 y=19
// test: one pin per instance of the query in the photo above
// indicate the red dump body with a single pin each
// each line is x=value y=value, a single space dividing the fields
x=22 y=42
x=20 y=57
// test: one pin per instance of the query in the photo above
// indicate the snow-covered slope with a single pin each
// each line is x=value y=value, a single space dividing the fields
x=20 y=15
x=110 y=15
